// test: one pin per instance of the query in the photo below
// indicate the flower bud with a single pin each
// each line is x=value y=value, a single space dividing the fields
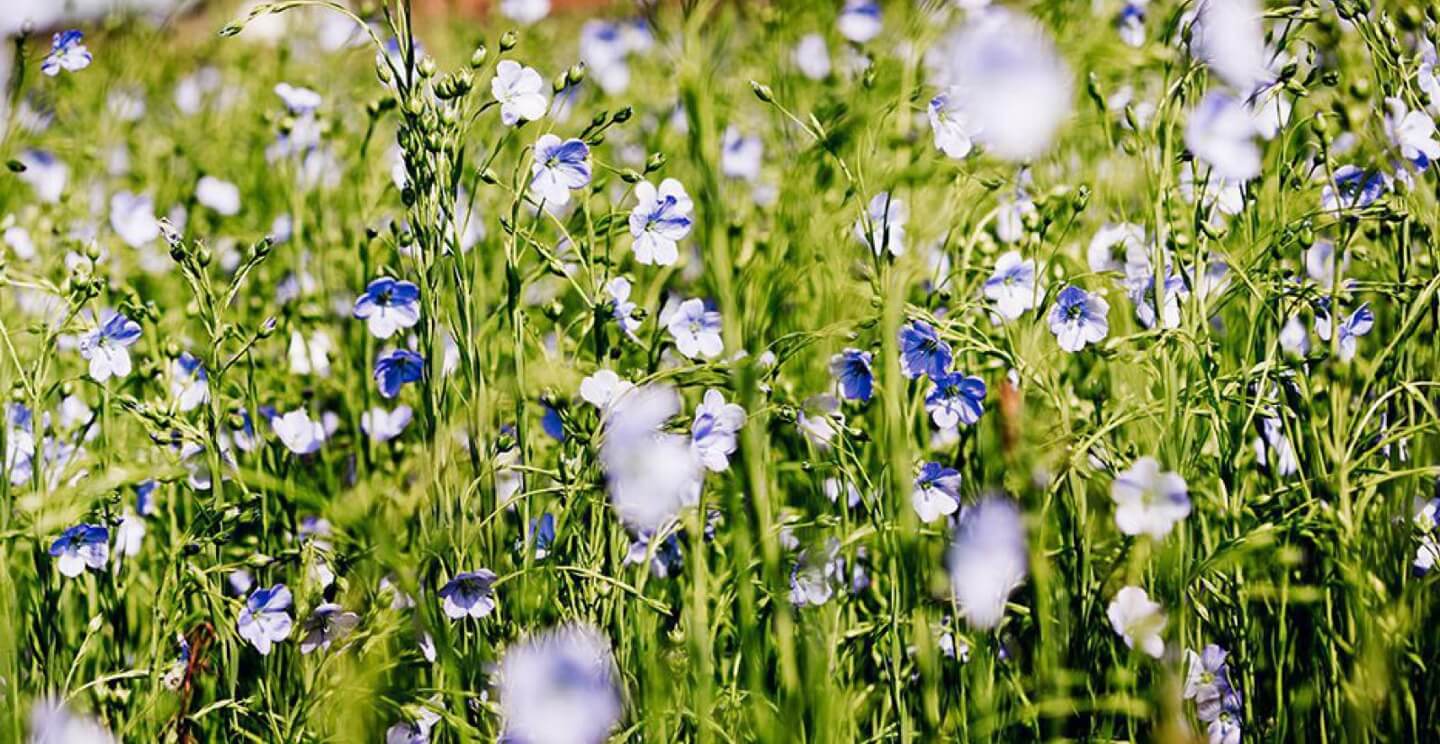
x=762 y=91
x=508 y=40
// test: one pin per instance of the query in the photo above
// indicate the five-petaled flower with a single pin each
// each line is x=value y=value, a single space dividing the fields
x=107 y=347
x=937 y=491
x=1137 y=620
x=265 y=619
x=922 y=352
x=67 y=52
x=660 y=219
x=712 y=434
x=1148 y=501
x=469 y=594
x=1012 y=286
x=560 y=166
x=696 y=330
x=852 y=370
x=520 y=92
x=79 y=547
x=395 y=368
x=388 y=305
x=1079 y=318
x=955 y=399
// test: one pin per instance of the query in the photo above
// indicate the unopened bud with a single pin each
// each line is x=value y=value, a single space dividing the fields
x=762 y=91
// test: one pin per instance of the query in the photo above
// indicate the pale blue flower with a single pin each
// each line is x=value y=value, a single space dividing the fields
x=560 y=166
x=107 y=347
x=1351 y=326
x=265 y=619
x=1078 y=318
x=937 y=491
x=67 y=52
x=469 y=594
x=661 y=218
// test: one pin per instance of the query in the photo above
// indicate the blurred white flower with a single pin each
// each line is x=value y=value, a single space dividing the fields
x=1012 y=85
x=988 y=559
x=559 y=687
x=1222 y=133
x=1228 y=36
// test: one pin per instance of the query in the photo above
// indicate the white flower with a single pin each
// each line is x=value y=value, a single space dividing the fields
x=1148 y=501
x=382 y=425
x=883 y=226
x=860 y=20
x=310 y=357
x=1116 y=246
x=132 y=217
x=298 y=433
x=520 y=91
x=603 y=388
x=820 y=419
x=1413 y=132
x=525 y=12
x=1221 y=133
x=1229 y=37
x=812 y=57
x=712 y=435
x=130 y=535
x=18 y=238
x=221 y=196
x=740 y=156
x=52 y=723
x=298 y=100
x=1010 y=81
x=696 y=331
x=1012 y=286
x=987 y=560
x=1293 y=337
x=951 y=127
x=559 y=687
x=1138 y=620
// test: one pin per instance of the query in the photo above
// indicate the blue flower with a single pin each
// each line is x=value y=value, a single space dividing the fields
x=469 y=594
x=937 y=491
x=395 y=368
x=1353 y=188
x=188 y=382
x=860 y=20
x=922 y=352
x=1012 y=285
x=955 y=399
x=1352 y=326
x=559 y=167
x=107 y=347
x=659 y=220
x=67 y=52
x=552 y=424
x=265 y=619
x=81 y=546
x=388 y=305
x=145 y=498
x=1079 y=318
x=852 y=368
x=712 y=434
x=542 y=535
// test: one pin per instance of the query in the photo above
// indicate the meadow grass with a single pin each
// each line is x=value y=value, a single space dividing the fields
x=762 y=608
